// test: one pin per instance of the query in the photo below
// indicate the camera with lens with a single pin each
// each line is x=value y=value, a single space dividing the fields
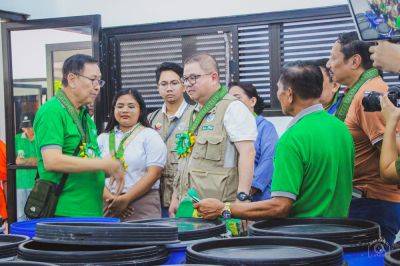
x=372 y=103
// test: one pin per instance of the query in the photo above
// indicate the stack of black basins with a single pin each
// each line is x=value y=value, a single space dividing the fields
x=9 y=246
x=99 y=244
x=360 y=239
x=190 y=231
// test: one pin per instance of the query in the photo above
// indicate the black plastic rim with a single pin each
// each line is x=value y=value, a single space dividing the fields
x=333 y=253
x=26 y=263
x=9 y=245
x=216 y=228
x=75 y=254
x=365 y=232
x=392 y=258
x=106 y=234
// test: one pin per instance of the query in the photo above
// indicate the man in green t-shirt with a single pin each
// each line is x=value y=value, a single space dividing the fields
x=25 y=149
x=313 y=162
x=63 y=128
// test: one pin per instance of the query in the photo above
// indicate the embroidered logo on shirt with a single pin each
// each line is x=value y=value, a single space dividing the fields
x=208 y=127
x=210 y=117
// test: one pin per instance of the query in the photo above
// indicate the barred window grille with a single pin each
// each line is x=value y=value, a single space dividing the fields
x=140 y=58
x=254 y=64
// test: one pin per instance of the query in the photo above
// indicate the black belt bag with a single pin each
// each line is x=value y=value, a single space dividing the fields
x=42 y=200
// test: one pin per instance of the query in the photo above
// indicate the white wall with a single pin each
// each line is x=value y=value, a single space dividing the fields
x=128 y=12
x=131 y=12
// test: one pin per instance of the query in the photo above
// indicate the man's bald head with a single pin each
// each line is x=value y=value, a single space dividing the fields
x=206 y=61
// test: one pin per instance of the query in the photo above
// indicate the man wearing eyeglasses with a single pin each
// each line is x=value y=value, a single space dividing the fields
x=66 y=142
x=217 y=149
x=167 y=121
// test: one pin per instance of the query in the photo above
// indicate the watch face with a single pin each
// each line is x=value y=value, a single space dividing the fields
x=242 y=196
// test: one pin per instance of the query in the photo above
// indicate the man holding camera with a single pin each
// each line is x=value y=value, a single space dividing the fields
x=375 y=198
x=386 y=56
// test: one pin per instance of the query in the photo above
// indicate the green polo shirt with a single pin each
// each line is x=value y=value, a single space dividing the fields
x=25 y=149
x=314 y=165
x=83 y=192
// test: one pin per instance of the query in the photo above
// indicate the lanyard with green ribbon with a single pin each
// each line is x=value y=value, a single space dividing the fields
x=348 y=97
x=119 y=153
x=86 y=148
x=186 y=140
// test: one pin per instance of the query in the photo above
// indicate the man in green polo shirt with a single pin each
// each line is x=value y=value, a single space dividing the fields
x=25 y=149
x=314 y=158
x=63 y=126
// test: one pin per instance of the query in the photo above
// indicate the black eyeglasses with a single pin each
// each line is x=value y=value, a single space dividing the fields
x=192 y=79
x=95 y=82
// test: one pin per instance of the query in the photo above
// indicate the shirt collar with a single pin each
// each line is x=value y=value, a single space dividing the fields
x=178 y=113
x=309 y=110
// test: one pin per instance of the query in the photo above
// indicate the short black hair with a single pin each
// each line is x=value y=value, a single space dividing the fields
x=305 y=79
x=251 y=91
x=351 y=45
x=112 y=122
x=168 y=66
x=322 y=64
x=75 y=64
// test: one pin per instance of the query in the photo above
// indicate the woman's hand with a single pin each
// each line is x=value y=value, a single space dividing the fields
x=119 y=204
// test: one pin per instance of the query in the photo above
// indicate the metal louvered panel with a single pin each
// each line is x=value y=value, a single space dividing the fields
x=139 y=60
x=391 y=79
x=220 y=47
x=312 y=39
x=254 y=58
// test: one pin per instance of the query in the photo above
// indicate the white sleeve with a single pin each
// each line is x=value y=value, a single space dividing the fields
x=102 y=141
x=155 y=149
x=239 y=122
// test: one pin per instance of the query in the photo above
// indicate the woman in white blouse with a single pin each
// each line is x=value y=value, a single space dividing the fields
x=129 y=138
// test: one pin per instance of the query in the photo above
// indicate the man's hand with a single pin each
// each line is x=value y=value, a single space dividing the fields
x=390 y=112
x=173 y=206
x=210 y=208
x=386 y=56
x=114 y=169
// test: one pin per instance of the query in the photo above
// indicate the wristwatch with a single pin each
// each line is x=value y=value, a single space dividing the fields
x=226 y=212
x=243 y=196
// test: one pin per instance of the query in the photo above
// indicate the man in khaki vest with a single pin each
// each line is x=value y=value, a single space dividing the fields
x=216 y=149
x=167 y=121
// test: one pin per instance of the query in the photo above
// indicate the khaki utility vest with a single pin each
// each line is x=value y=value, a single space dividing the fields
x=204 y=169
x=161 y=123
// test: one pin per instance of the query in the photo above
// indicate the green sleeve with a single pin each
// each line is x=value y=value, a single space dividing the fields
x=288 y=168
x=48 y=128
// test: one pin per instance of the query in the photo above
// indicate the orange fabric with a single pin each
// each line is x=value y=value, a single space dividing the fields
x=3 y=161
x=367 y=128
x=3 y=177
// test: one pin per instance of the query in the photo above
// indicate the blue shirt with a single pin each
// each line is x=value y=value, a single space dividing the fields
x=333 y=108
x=263 y=164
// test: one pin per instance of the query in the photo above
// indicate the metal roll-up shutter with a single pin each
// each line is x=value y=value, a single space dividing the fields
x=254 y=64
